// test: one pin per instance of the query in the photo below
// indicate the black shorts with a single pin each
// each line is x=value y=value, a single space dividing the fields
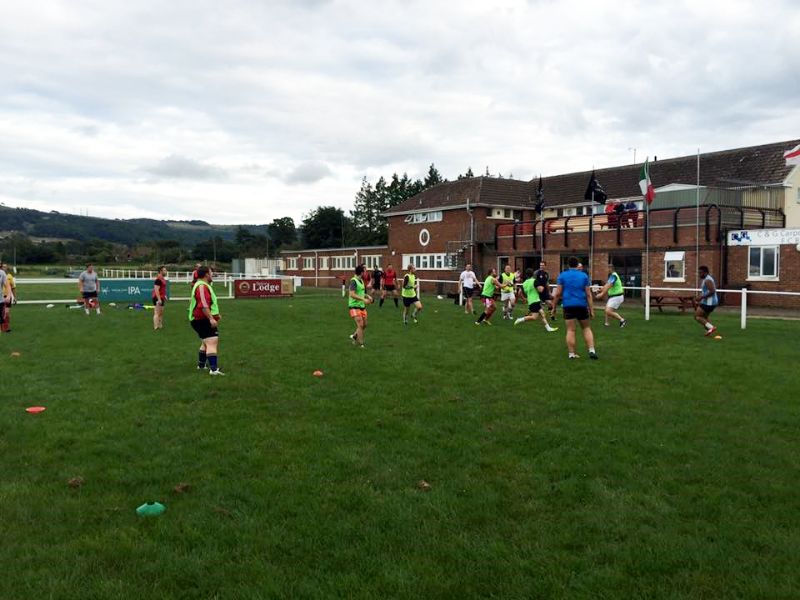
x=203 y=329
x=468 y=292
x=576 y=312
x=409 y=301
x=390 y=288
x=535 y=308
x=89 y=294
x=155 y=301
x=545 y=294
x=707 y=308
x=376 y=288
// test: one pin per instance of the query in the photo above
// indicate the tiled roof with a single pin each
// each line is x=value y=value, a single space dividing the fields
x=728 y=168
x=479 y=190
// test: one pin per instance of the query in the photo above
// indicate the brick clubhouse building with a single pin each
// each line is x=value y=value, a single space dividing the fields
x=743 y=221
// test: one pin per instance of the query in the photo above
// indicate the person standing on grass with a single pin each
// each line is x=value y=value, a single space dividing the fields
x=377 y=278
x=159 y=297
x=575 y=292
x=707 y=300
x=89 y=286
x=8 y=299
x=357 y=303
x=507 y=296
x=204 y=319
x=5 y=296
x=616 y=296
x=467 y=280
x=542 y=280
x=531 y=295
x=194 y=273
x=389 y=285
x=410 y=295
x=490 y=284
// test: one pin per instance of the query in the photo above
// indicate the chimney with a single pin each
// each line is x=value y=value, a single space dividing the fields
x=655 y=159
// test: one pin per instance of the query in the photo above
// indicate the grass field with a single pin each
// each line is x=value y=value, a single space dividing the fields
x=667 y=469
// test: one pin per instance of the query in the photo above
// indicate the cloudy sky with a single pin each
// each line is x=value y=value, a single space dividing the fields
x=245 y=111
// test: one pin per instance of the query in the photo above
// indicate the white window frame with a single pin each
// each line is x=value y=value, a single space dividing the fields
x=372 y=260
x=324 y=263
x=291 y=263
x=308 y=263
x=500 y=214
x=433 y=261
x=776 y=250
x=671 y=258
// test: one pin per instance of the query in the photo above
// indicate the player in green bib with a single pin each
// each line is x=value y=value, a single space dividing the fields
x=529 y=293
x=357 y=301
x=616 y=296
x=409 y=294
x=507 y=295
x=490 y=285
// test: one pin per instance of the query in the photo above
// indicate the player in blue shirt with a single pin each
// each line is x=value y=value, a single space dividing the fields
x=575 y=292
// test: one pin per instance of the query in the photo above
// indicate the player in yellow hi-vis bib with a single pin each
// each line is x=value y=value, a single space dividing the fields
x=204 y=319
x=357 y=303
x=409 y=294
x=507 y=295
x=616 y=296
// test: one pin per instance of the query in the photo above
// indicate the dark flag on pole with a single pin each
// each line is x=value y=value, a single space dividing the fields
x=539 y=198
x=595 y=192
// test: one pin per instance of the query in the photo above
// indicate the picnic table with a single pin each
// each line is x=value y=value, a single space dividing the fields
x=679 y=299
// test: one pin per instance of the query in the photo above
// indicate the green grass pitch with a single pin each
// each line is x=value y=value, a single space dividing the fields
x=667 y=469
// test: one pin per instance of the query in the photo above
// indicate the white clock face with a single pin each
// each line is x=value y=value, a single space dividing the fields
x=424 y=237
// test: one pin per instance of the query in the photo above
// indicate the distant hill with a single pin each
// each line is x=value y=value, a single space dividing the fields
x=130 y=232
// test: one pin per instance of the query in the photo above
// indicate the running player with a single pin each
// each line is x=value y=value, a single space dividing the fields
x=467 y=280
x=159 y=297
x=357 y=303
x=410 y=297
x=9 y=300
x=507 y=296
x=616 y=296
x=89 y=286
x=389 y=285
x=575 y=289
x=542 y=278
x=490 y=284
x=204 y=319
x=531 y=294
x=5 y=295
x=707 y=301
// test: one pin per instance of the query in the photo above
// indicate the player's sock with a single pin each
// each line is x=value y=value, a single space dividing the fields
x=709 y=325
x=212 y=362
x=396 y=305
x=481 y=318
x=380 y=304
x=201 y=360
x=519 y=320
x=591 y=350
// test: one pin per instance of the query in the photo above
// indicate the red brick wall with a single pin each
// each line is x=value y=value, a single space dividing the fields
x=788 y=275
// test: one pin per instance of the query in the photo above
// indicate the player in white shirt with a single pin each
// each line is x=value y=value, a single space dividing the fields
x=467 y=281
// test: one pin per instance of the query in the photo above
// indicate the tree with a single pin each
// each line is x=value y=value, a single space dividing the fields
x=325 y=227
x=433 y=177
x=282 y=232
x=468 y=174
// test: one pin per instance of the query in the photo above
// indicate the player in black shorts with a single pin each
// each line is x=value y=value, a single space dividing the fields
x=377 y=278
x=542 y=281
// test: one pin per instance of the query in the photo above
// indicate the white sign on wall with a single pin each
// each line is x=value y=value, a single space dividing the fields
x=764 y=237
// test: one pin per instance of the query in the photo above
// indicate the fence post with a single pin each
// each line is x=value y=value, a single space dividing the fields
x=744 y=308
x=647 y=302
x=461 y=297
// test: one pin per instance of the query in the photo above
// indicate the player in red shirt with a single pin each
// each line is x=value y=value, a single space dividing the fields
x=204 y=317
x=159 y=297
x=389 y=284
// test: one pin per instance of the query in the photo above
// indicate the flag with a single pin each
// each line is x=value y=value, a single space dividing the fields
x=645 y=184
x=540 y=197
x=594 y=191
x=792 y=156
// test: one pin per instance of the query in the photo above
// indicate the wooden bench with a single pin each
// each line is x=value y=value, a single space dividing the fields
x=556 y=228
x=682 y=301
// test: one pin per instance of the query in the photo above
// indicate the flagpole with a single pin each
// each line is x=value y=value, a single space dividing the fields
x=697 y=221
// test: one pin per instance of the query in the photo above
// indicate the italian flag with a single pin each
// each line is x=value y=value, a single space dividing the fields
x=645 y=184
x=792 y=156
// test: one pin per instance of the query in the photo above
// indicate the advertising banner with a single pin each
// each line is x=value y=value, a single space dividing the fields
x=262 y=288
x=764 y=237
x=127 y=290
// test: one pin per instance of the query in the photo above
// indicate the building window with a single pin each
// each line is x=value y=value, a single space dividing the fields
x=308 y=263
x=675 y=266
x=323 y=263
x=425 y=217
x=506 y=213
x=427 y=262
x=372 y=261
x=344 y=263
x=292 y=264
x=763 y=262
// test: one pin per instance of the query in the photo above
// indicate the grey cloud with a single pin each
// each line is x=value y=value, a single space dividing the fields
x=181 y=167
x=308 y=172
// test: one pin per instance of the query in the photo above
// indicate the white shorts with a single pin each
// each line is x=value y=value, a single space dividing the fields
x=506 y=296
x=615 y=302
